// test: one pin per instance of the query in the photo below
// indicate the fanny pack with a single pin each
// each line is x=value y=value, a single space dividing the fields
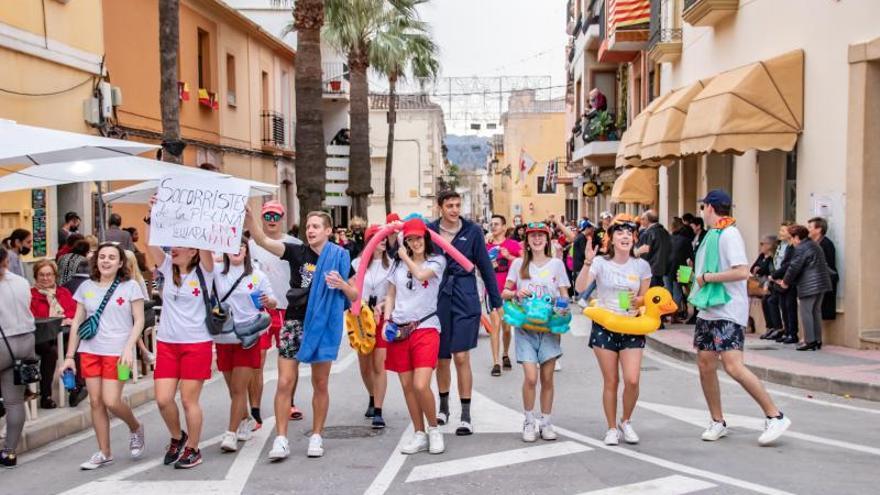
x=396 y=332
x=24 y=371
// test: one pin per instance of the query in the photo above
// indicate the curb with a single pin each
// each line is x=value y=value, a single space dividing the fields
x=60 y=423
x=823 y=384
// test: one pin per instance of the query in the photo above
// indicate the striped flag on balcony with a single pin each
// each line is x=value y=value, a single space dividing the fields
x=629 y=12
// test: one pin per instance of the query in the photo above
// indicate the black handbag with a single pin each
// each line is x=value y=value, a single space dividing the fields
x=24 y=371
x=215 y=317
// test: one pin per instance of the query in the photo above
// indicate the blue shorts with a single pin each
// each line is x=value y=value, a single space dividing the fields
x=459 y=327
x=537 y=347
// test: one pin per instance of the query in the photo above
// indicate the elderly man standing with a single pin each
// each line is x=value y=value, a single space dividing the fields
x=654 y=247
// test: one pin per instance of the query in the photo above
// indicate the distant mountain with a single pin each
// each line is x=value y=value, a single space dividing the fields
x=468 y=152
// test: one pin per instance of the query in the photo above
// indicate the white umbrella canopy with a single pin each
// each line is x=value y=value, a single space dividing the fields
x=119 y=168
x=141 y=193
x=29 y=145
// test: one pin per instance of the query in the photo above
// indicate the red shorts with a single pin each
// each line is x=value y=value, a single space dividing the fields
x=184 y=361
x=381 y=343
x=420 y=350
x=274 y=330
x=97 y=366
x=231 y=356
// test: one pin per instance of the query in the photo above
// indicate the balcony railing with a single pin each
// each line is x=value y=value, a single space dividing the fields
x=276 y=131
x=335 y=78
x=665 y=45
x=665 y=36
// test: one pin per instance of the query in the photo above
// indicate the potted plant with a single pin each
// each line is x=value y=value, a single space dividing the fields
x=601 y=125
x=335 y=86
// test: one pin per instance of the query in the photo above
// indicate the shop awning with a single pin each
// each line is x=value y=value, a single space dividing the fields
x=662 y=137
x=756 y=107
x=631 y=141
x=636 y=185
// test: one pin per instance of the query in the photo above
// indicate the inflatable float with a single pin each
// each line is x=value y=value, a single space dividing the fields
x=658 y=302
x=539 y=314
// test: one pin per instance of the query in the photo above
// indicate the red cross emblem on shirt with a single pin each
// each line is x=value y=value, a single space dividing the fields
x=250 y=286
x=425 y=284
x=120 y=301
x=196 y=292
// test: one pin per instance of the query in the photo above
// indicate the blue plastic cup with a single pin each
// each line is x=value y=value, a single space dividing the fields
x=255 y=297
x=69 y=379
x=390 y=331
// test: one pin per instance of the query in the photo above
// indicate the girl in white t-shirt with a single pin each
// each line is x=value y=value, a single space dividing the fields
x=184 y=349
x=375 y=289
x=537 y=274
x=620 y=278
x=239 y=283
x=120 y=325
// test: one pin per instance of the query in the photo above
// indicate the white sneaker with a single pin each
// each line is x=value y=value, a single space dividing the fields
x=612 y=436
x=715 y=431
x=245 y=429
x=629 y=434
x=98 y=460
x=280 y=449
x=557 y=366
x=229 y=442
x=316 y=446
x=435 y=441
x=442 y=418
x=136 y=442
x=530 y=431
x=773 y=429
x=417 y=443
x=548 y=432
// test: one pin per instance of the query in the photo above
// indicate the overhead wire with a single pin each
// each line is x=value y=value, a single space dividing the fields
x=51 y=93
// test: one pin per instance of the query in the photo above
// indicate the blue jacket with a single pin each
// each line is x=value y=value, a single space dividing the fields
x=322 y=328
x=456 y=281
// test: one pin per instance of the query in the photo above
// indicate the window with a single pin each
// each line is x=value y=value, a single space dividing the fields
x=540 y=190
x=230 y=80
x=265 y=90
x=204 y=60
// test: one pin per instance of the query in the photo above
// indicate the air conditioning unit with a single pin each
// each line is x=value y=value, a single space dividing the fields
x=116 y=91
x=91 y=114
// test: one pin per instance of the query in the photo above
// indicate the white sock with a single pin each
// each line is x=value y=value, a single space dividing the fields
x=545 y=419
x=530 y=416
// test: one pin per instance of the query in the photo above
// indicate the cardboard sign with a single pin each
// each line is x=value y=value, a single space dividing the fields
x=199 y=212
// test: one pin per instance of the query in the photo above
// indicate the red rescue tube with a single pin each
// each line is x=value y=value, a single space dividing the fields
x=367 y=254
x=451 y=251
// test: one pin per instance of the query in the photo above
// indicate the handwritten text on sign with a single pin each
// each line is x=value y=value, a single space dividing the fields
x=199 y=212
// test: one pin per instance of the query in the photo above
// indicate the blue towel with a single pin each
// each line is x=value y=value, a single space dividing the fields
x=322 y=328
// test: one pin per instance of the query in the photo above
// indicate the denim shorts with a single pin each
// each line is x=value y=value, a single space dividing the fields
x=603 y=338
x=537 y=347
x=719 y=335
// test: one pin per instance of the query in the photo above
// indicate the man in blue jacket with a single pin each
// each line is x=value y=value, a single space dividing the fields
x=458 y=305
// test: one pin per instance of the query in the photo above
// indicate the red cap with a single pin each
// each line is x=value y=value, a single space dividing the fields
x=414 y=226
x=392 y=217
x=371 y=231
x=273 y=207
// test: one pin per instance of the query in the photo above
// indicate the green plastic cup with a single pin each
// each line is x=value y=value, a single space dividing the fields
x=684 y=274
x=123 y=371
x=624 y=300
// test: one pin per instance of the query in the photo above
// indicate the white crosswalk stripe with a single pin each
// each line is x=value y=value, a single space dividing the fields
x=670 y=485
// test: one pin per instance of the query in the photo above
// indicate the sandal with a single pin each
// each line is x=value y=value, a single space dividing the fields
x=295 y=413
x=505 y=360
x=496 y=370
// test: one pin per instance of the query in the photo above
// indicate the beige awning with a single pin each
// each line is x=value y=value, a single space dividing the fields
x=662 y=138
x=636 y=185
x=756 y=107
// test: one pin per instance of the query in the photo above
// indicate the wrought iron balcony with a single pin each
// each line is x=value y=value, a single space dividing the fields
x=665 y=45
x=708 y=12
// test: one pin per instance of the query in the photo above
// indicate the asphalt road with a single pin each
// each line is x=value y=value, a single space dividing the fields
x=832 y=447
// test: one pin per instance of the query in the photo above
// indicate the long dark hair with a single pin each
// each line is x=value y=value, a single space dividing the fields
x=248 y=264
x=429 y=246
x=528 y=256
x=122 y=272
x=175 y=270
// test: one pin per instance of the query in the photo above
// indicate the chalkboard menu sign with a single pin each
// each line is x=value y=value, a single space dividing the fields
x=38 y=204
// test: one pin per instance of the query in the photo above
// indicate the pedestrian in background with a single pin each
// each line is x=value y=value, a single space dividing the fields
x=787 y=295
x=48 y=300
x=809 y=273
x=506 y=251
x=116 y=235
x=654 y=246
x=71 y=225
x=818 y=228
x=761 y=270
x=18 y=244
x=680 y=254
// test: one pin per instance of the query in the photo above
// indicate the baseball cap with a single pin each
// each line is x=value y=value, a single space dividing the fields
x=585 y=224
x=371 y=231
x=717 y=197
x=605 y=214
x=273 y=207
x=414 y=226
x=537 y=227
x=392 y=217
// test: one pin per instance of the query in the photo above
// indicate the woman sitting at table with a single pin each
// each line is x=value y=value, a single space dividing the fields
x=48 y=300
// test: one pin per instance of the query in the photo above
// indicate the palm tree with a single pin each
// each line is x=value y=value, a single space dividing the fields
x=403 y=48
x=352 y=27
x=169 y=101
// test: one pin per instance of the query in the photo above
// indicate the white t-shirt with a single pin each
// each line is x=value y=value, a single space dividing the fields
x=732 y=252
x=116 y=320
x=183 y=308
x=612 y=278
x=376 y=280
x=276 y=269
x=543 y=280
x=417 y=302
x=240 y=302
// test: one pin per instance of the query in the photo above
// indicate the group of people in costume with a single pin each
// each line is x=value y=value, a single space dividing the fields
x=410 y=304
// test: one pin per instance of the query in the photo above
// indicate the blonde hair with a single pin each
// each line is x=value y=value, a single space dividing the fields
x=93 y=242
x=39 y=265
x=132 y=265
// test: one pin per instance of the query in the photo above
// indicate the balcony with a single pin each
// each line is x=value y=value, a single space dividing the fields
x=623 y=32
x=708 y=12
x=665 y=45
x=337 y=176
x=335 y=80
x=277 y=131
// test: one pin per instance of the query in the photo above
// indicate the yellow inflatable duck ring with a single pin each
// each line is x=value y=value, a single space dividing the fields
x=658 y=302
x=361 y=330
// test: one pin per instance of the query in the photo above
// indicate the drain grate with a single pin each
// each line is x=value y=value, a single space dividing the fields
x=341 y=432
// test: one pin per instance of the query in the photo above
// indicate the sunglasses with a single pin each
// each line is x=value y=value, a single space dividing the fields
x=409 y=281
x=631 y=226
x=536 y=225
x=272 y=217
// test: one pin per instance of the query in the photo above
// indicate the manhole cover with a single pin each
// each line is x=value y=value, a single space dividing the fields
x=337 y=432
x=650 y=368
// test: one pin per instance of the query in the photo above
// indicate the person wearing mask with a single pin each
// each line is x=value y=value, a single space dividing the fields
x=719 y=291
x=312 y=323
x=372 y=365
x=654 y=247
x=787 y=295
x=809 y=273
x=71 y=225
x=48 y=301
x=681 y=254
x=537 y=274
x=17 y=332
x=184 y=349
x=412 y=304
x=459 y=305
x=118 y=302
x=818 y=228
x=115 y=233
x=506 y=251
x=236 y=285
x=19 y=243
x=618 y=275
x=272 y=219
x=761 y=271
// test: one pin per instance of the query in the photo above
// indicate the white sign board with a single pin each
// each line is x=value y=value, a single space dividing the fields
x=199 y=212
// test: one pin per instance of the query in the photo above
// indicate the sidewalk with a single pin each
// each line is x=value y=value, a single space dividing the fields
x=834 y=370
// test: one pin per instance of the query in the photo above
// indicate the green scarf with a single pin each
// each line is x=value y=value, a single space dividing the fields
x=711 y=293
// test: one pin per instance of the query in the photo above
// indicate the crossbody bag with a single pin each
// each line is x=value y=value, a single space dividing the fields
x=24 y=371
x=89 y=328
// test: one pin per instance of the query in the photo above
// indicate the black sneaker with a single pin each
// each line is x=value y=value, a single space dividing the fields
x=190 y=459
x=371 y=412
x=496 y=370
x=175 y=448
x=76 y=396
x=378 y=422
x=8 y=459
x=505 y=362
